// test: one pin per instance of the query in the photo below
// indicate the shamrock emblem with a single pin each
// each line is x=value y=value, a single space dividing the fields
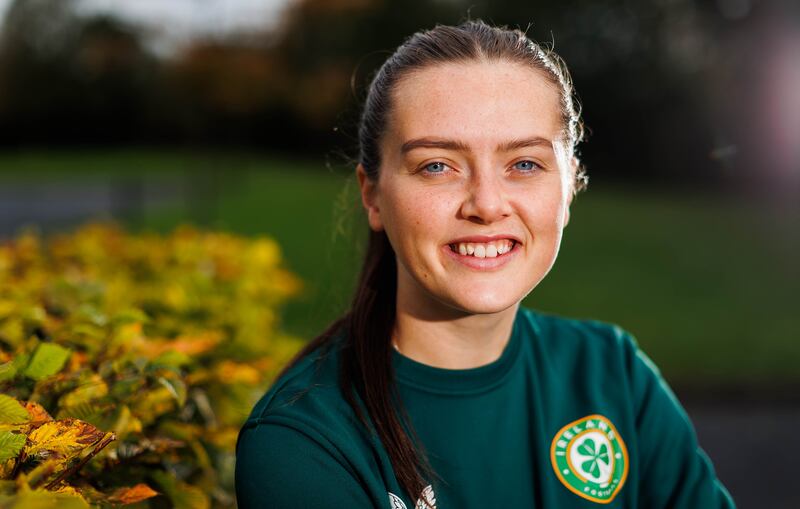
x=594 y=455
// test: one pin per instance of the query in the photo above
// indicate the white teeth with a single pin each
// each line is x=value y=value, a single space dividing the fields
x=487 y=250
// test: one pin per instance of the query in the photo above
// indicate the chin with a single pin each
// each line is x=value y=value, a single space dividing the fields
x=485 y=304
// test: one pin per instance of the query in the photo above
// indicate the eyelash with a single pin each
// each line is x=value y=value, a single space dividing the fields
x=424 y=167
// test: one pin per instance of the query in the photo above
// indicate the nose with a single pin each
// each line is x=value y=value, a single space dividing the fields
x=486 y=201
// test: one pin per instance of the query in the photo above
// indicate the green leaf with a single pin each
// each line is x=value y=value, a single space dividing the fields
x=131 y=315
x=91 y=314
x=88 y=411
x=12 y=411
x=7 y=371
x=171 y=359
x=176 y=387
x=44 y=471
x=10 y=445
x=93 y=388
x=182 y=495
x=7 y=487
x=47 y=360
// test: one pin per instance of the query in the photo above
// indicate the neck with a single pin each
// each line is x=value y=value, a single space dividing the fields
x=461 y=342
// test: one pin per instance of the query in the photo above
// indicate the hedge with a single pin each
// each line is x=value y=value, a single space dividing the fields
x=128 y=362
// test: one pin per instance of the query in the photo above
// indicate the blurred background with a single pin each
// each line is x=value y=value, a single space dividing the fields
x=241 y=115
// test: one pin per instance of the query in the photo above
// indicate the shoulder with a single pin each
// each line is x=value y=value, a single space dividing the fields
x=308 y=403
x=273 y=464
x=588 y=352
x=560 y=336
x=303 y=424
x=308 y=396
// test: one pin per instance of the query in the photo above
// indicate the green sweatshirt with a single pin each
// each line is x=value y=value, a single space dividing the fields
x=572 y=415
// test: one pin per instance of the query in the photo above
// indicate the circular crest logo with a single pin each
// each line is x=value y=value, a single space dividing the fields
x=590 y=458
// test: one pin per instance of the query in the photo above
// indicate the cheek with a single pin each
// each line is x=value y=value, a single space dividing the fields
x=419 y=213
x=543 y=212
x=417 y=223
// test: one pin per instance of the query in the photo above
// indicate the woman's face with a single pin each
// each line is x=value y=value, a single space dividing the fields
x=474 y=186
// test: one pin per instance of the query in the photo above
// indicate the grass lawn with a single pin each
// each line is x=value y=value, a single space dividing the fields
x=707 y=285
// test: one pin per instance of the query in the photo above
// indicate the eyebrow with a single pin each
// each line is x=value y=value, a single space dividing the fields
x=463 y=147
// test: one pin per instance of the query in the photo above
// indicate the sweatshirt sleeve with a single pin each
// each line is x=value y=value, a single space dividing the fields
x=282 y=468
x=675 y=471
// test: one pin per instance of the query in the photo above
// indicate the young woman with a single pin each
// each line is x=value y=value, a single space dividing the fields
x=437 y=389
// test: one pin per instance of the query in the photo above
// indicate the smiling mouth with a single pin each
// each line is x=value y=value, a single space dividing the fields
x=483 y=249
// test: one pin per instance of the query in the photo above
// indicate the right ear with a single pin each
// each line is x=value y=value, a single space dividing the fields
x=369 y=198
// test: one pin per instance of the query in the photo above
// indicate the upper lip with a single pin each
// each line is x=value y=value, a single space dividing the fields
x=485 y=238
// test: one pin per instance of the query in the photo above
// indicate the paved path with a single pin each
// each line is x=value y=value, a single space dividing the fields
x=755 y=448
x=55 y=204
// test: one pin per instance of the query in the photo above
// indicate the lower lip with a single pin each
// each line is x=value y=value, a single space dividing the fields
x=488 y=264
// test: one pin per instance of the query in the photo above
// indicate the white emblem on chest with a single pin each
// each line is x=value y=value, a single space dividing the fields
x=396 y=502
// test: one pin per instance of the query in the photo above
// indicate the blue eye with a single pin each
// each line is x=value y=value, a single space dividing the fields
x=526 y=165
x=436 y=167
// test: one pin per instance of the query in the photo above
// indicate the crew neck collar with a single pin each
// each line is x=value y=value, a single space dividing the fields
x=459 y=381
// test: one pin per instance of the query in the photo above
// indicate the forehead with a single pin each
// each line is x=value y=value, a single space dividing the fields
x=475 y=102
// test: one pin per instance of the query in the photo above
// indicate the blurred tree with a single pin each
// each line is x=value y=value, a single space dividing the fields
x=328 y=46
x=217 y=90
x=660 y=79
x=33 y=69
x=67 y=79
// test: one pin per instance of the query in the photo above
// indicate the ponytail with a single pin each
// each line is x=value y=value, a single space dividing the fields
x=366 y=370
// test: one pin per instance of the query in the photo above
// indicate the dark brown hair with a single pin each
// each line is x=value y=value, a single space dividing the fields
x=366 y=369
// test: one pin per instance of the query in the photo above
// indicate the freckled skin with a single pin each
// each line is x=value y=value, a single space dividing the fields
x=481 y=104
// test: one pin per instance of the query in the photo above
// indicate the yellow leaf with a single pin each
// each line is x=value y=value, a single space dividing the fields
x=154 y=404
x=224 y=438
x=125 y=423
x=264 y=252
x=44 y=499
x=6 y=467
x=64 y=437
x=7 y=307
x=132 y=494
x=92 y=389
x=189 y=344
x=230 y=372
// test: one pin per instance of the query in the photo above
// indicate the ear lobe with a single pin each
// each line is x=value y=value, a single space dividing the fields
x=574 y=166
x=369 y=191
x=570 y=195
